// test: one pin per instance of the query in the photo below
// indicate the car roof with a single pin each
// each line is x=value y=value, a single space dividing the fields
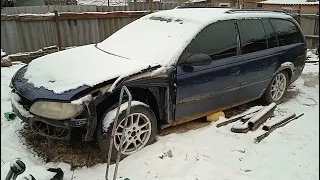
x=210 y=15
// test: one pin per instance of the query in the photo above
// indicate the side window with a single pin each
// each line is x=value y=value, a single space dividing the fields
x=287 y=32
x=271 y=35
x=252 y=36
x=217 y=40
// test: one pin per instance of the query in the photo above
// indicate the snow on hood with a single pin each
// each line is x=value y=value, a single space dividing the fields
x=85 y=65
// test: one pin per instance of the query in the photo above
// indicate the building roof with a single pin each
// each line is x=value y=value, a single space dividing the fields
x=290 y=2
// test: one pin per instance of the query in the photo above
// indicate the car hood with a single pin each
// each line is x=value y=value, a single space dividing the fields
x=79 y=68
x=30 y=92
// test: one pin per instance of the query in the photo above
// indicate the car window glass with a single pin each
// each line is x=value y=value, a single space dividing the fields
x=252 y=36
x=287 y=32
x=271 y=35
x=217 y=40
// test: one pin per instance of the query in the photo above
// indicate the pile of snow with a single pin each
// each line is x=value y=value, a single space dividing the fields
x=3 y=53
x=290 y=152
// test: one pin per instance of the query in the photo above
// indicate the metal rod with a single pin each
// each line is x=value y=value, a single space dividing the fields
x=124 y=88
x=123 y=132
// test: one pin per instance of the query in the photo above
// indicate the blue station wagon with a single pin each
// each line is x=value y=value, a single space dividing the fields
x=179 y=65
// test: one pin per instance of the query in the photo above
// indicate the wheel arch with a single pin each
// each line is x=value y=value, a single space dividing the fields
x=150 y=96
x=288 y=67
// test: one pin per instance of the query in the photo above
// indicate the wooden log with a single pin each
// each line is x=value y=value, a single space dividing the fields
x=5 y=62
x=278 y=121
x=266 y=134
x=29 y=56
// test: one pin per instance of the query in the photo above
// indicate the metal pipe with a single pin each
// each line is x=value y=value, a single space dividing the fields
x=261 y=117
x=278 y=121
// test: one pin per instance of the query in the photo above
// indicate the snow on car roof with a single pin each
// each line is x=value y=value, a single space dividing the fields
x=161 y=37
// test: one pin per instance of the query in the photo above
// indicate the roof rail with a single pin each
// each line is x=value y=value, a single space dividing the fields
x=257 y=10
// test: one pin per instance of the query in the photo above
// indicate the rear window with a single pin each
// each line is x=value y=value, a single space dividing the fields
x=287 y=32
x=252 y=36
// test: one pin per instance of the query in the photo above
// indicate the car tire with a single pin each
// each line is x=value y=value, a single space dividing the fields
x=276 y=89
x=138 y=109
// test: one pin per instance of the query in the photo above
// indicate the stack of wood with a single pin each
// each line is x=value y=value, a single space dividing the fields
x=27 y=56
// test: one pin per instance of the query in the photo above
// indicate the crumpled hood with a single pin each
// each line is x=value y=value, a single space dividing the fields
x=82 y=66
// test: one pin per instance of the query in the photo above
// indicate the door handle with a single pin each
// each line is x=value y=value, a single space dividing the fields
x=235 y=71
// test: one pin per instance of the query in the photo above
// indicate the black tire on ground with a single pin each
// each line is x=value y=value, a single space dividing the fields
x=266 y=98
x=104 y=137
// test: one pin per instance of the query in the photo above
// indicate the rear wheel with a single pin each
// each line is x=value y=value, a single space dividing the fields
x=140 y=131
x=277 y=88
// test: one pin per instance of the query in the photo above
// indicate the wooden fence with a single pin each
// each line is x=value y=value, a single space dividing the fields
x=86 y=25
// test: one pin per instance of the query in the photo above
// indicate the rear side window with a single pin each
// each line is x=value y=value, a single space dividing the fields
x=217 y=40
x=287 y=32
x=271 y=35
x=252 y=36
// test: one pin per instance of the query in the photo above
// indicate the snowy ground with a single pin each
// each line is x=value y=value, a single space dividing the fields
x=291 y=152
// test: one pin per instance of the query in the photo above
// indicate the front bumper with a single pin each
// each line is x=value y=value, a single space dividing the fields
x=61 y=130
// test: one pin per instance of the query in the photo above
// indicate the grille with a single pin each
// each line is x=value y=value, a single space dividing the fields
x=51 y=131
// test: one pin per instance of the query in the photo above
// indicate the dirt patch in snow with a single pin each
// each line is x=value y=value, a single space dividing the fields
x=75 y=152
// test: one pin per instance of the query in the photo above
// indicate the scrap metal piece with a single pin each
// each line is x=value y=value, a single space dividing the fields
x=261 y=116
x=235 y=118
x=261 y=137
x=278 y=121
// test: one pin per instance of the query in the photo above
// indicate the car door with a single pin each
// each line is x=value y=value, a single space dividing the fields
x=202 y=88
x=259 y=56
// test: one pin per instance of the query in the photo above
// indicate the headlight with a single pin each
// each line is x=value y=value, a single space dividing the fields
x=56 y=110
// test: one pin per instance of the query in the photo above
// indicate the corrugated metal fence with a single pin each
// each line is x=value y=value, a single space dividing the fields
x=30 y=33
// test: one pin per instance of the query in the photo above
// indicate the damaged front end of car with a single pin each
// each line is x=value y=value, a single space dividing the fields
x=56 y=115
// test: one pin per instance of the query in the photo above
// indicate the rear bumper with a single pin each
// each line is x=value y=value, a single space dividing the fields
x=57 y=129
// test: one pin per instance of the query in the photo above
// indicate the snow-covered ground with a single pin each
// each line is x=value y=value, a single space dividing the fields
x=289 y=153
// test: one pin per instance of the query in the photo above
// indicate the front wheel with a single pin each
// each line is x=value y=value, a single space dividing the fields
x=141 y=129
x=277 y=88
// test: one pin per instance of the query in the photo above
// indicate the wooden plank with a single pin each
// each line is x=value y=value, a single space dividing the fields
x=312 y=36
x=102 y=15
x=27 y=17
x=65 y=16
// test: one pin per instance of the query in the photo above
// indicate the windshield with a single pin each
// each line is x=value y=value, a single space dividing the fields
x=154 y=39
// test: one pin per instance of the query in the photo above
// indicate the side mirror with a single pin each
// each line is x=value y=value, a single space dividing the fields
x=198 y=60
